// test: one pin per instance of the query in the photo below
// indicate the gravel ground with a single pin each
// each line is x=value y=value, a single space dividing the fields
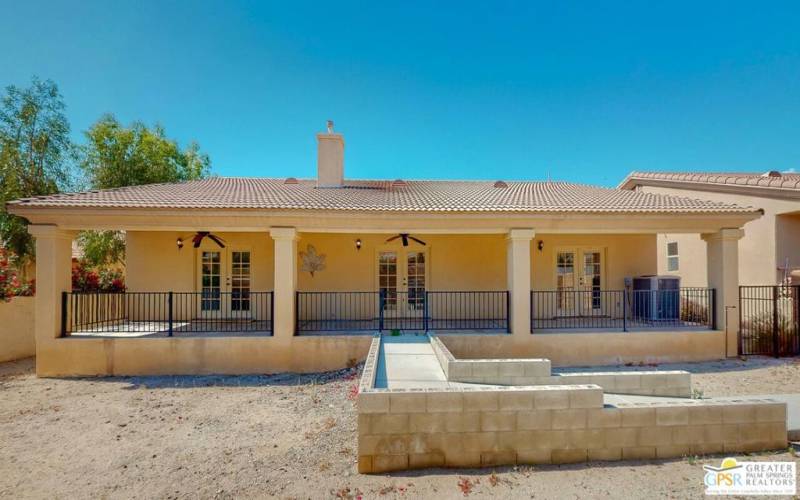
x=285 y=436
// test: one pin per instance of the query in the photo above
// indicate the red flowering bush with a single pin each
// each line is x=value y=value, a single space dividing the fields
x=10 y=284
x=85 y=279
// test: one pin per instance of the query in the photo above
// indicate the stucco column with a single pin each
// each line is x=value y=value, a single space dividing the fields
x=53 y=276
x=285 y=277
x=723 y=275
x=518 y=266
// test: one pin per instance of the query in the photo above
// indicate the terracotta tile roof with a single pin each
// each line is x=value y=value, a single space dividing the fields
x=378 y=195
x=777 y=181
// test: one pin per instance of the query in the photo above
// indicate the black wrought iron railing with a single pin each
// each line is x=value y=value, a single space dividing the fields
x=769 y=320
x=169 y=314
x=622 y=309
x=419 y=310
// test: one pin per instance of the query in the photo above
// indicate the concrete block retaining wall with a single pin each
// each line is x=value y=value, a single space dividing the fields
x=538 y=372
x=675 y=383
x=488 y=426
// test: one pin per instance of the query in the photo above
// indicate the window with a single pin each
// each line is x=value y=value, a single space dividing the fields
x=672 y=256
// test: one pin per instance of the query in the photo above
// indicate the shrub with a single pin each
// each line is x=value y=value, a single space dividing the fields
x=85 y=279
x=10 y=283
x=693 y=311
x=759 y=327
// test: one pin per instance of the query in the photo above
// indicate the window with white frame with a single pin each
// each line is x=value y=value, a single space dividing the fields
x=672 y=256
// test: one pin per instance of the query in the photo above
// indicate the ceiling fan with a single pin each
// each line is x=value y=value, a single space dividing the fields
x=405 y=237
x=201 y=235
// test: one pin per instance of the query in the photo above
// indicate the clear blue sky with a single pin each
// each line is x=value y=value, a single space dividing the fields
x=584 y=92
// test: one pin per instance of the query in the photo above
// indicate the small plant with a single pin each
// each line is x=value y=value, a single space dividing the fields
x=466 y=485
x=697 y=393
x=395 y=332
x=347 y=494
x=692 y=459
x=329 y=424
x=352 y=393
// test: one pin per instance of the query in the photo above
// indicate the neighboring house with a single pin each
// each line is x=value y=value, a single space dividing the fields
x=243 y=275
x=769 y=253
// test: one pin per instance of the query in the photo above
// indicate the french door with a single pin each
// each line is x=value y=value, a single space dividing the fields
x=224 y=283
x=579 y=281
x=402 y=279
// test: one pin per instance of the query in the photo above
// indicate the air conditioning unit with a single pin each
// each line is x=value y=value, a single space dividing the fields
x=656 y=298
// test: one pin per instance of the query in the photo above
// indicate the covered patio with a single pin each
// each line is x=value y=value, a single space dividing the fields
x=301 y=289
x=356 y=283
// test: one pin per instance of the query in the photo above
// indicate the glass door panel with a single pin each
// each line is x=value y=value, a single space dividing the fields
x=211 y=282
x=591 y=281
x=240 y=283
x=415 y=282
x=565 y=283
x=387 y=279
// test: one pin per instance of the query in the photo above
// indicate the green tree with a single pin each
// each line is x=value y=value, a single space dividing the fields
x=102 y=248
x=35 y=153
x=117 y=156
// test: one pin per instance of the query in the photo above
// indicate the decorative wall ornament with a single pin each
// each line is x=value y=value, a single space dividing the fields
x=312 y=261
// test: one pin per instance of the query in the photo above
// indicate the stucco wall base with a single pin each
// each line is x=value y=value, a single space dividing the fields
x=17 y=339
x=190 y=356
x=243 y=355
x=593 y=349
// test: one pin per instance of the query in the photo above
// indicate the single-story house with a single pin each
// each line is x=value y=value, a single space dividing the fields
x=769 y=254
x=254 y=275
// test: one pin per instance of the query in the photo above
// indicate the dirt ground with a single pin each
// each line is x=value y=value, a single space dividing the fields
x=285 y=436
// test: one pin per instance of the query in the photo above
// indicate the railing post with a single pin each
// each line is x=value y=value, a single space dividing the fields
x=714 y=308
x=296 y=314
x=775 y=336
x=796 y=314
x=624 y=310
x=272 y=313
x=381 y=302
x=425 y=309
x=508 y=316
x=63 y=314
x=169 y=313
x=739 y=335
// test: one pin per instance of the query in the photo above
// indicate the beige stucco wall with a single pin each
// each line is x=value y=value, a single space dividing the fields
x=154 y=262
x=759 y=255
x=623 y=256
x=787 y=240
x=455 y=262
x=197 y=355
x=238 y=355
x=16 y=329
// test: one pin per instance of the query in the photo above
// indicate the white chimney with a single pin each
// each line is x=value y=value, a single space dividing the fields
x=330 y=158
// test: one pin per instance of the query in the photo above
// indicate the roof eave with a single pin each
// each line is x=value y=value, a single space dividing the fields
x=632 y=181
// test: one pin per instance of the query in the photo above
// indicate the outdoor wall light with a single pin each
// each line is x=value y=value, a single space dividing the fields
x=540 y=245
x=179 y=243
x=358 y=244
